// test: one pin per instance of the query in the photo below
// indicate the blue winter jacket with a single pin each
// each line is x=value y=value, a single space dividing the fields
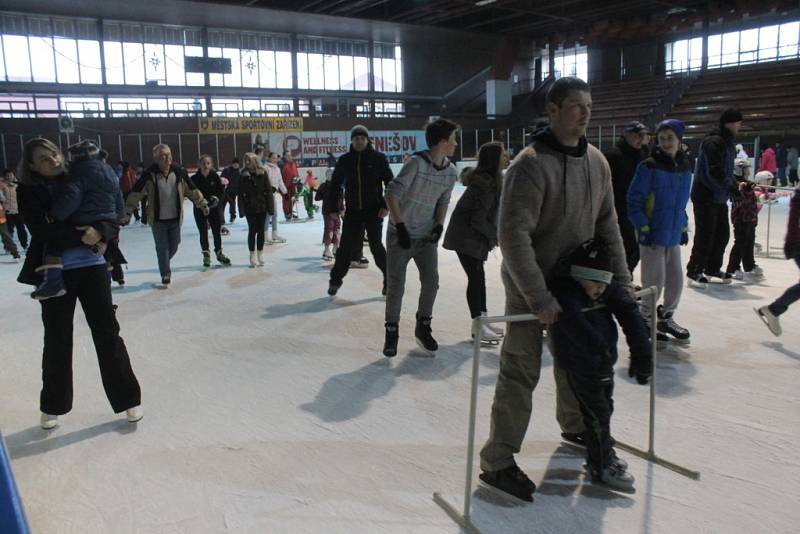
x=657 y=198
x=90 y=194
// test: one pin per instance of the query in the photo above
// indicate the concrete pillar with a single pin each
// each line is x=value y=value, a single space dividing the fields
x=498 y=97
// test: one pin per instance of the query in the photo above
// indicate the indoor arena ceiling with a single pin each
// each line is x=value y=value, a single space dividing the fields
x=565 y=20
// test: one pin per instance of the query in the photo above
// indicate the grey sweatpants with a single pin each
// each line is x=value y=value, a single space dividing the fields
x=520 y=368
x=426 y=255
x=662 y=267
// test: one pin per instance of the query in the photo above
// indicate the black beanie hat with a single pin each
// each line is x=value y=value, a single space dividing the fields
x=359 y=129
x=730 y=115
x=590 y=261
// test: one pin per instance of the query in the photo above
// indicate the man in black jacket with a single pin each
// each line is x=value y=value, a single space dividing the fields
x=363 y=172
x=623 y=159
x=232 y=174
x=711 y=189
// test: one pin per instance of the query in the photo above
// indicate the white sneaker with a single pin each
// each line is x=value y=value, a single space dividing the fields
x=769 y=319
x=253 y=259
x=260 y=255
x=134 y=414
x=48 y=422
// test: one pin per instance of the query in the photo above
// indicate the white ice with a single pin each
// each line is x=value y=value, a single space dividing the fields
x=269 y=408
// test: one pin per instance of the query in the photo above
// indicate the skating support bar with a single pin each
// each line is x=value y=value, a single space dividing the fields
x=463 y=519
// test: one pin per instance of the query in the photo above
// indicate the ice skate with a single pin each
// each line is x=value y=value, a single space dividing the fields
x=361 y=263
x=333 y=288
x=496 y=329
x=278 y=239
x=206 y=259
x=488 y=337
x=253 y=260
x=48 y=422
x=613 y=476
x=390 y=343
x=135 y=414
x=667 y=325
x=720 y=277
x=424 y=337
x=326 y=254
x=510 y=483
x=697 y=281
x=769 y=319
x=222 y=258
x=260 y=257
x=737 y=275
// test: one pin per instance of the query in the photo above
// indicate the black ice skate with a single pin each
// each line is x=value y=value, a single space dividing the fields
x=720 y=277
x=697 y=280
x=613 y=476
x=424 y=337
x=333 y=288
x=510 y=483
x=392 y=335
x=667 y=325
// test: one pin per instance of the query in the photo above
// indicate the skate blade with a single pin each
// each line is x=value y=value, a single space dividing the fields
x=680 y=342
x=425 y=350
x=696 y=285
x=502 y=494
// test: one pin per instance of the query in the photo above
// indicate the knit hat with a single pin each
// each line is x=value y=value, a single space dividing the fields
x=84 y=150
x=359 y=129
x=636 y=127
x=590 y=261
x=673 y=124
x=730 y=115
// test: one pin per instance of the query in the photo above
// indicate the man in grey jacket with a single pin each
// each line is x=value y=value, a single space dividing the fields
x=417 y=200
x=557 y=194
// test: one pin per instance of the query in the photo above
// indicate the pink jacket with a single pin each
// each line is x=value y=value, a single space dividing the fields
x=768 y=162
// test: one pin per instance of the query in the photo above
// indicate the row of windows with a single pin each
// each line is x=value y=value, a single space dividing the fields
x=568 y=62
x=77 y=61
x=25 y=106
x=769 y=43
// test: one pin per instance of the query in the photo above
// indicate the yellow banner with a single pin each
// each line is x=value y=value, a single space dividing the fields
x=249 y=124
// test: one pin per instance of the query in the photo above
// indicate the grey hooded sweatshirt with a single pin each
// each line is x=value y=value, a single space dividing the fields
x=554 y=198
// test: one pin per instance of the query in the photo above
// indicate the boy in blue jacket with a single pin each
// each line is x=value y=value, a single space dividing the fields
x=90 y=194
x=657 y=200
x=585 y=344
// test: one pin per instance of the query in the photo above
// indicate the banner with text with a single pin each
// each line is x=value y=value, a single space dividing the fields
x=249 y=124
x=313 y=147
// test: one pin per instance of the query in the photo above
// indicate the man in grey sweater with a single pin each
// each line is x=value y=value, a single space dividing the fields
x=417 y=200
x=556 y=195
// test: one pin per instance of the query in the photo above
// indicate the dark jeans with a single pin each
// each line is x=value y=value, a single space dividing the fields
x=744 y=239
x=255 y=230
x=8 y=242
x=352 y=229
x=167 y=235
x=230 y=198
x=711 y=236
x=213 y=219
x=90 y=286
x=476 y=284
x=136 y=209
x=15 y=222
x=789 y=297
x=793 y=176
x=595 y=398
x=144 y=210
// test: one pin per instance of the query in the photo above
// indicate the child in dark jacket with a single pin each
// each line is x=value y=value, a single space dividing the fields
x=332 y=208
x=472 y=231
x=744 y=216
x=585 y=346
x=91 y=194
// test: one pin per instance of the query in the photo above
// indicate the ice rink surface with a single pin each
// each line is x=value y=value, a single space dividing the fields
x=269 y=408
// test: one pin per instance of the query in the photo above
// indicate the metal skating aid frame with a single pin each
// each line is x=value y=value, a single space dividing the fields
x=463 y=519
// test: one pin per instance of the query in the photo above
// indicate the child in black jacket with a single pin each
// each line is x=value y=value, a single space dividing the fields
x=585 y=345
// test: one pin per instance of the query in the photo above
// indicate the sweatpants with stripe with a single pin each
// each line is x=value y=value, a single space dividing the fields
x=662 y=267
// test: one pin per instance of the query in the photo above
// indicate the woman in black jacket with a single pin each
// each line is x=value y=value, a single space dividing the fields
x=256 y=199
x=85 y=280
x=208 y=182
x=472 y=231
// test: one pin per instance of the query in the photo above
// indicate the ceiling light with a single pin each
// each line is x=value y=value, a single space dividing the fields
x=484 y=2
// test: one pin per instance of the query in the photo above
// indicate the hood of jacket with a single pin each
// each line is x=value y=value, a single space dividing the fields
x=545 y=135
x=480 y=179
x=426 y=155
x=663 y=160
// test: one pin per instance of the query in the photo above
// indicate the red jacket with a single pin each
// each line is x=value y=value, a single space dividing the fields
x=289 y=173
x=768 y=162
x=127 y=180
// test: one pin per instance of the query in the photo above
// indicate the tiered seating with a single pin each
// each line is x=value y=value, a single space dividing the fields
x=617 y=103
x=767 y=94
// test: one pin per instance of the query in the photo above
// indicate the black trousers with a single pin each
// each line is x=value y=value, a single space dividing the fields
x=90 y=286
x=476 y=284
x=793 y=179
x=231 y=199
x=353 y=226
x=15 y=222
x=744 y=239
x=255 y=230
x=711 y=236
x=595 y=398
x=630 y=243
x=213 y=219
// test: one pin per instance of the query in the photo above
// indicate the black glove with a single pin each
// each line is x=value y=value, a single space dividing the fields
x=436 y=233
x=641 y=367
x=791 y=250
x=213 y=202
x=684 y=238
x=403 y=239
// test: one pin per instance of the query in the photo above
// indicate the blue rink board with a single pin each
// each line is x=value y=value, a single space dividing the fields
x=12 y=516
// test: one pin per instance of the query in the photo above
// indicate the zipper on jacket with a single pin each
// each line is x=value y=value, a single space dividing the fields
x=358 y=172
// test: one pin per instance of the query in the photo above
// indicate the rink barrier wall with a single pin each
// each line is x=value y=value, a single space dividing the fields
x=12 y=514
x=463 y=518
